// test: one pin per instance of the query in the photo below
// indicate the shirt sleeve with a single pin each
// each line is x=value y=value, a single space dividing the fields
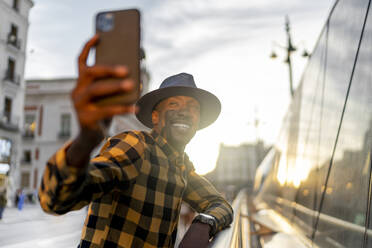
x=204 y=198
x=64 y=188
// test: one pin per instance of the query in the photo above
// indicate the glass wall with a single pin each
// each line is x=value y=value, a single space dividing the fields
x=320 y=179
x=344 y=209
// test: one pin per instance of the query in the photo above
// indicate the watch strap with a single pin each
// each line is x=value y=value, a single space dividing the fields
x=207 y=219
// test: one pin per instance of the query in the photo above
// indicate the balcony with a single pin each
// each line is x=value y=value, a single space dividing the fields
x=9 y=123
x=14 y=41
x=11 y=77
x=28 y=135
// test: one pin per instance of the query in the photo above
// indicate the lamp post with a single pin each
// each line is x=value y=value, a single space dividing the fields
x=290 y=48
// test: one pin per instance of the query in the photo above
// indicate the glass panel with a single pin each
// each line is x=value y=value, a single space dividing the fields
x=307 y=138
x=344 y=33
x=342 y=221
x=305 y=162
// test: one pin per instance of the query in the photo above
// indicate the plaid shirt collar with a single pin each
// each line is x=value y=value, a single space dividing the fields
x=173 y=155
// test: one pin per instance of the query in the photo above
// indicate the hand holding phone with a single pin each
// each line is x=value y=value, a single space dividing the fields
x=119 y=44
x=112 y=85
x=90 y=114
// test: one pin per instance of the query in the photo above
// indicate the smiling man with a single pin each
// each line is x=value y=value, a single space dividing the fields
x=136 y=184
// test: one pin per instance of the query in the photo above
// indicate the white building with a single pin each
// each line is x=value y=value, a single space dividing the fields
x=50 y=121
x=13 y=38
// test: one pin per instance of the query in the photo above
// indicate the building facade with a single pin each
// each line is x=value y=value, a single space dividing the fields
x=49 y=121
x=13 y=39
x=236 y=167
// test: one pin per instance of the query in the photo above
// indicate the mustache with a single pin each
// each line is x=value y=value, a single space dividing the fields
x=173 y=116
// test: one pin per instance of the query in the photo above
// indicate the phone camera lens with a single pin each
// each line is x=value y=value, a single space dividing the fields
x=105 y=22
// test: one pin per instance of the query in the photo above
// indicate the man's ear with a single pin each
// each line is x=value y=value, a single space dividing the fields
x=155 y=117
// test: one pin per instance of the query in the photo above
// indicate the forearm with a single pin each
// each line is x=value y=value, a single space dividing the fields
x=65 y=187
x=66 y=172
x=222 y=211
x=204 y=198
x=78 y=153
x=61 y=184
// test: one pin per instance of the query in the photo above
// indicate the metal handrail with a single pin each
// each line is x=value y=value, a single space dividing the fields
x=237 y=235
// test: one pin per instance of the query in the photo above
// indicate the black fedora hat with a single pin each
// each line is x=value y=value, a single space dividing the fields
x=182 y=84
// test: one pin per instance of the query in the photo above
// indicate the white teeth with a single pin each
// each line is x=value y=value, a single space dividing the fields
x=180 y=125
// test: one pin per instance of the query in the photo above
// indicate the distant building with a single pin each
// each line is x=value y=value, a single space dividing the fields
x=13 y=39
x=50 y=121
x=236 y=166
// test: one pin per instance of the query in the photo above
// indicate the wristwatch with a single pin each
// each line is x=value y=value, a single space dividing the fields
x=207 y=219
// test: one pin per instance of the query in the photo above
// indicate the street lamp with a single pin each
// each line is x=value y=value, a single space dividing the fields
x=290 y=48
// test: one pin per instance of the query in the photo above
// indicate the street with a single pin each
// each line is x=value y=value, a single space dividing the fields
x=31 y=227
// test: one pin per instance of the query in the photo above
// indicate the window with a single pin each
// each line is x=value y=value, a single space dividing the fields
x=27 y=156
x=10 y=75
x=16 y=5
x=25 y=179
x=347 y=189
x=65 y=126
x=30 y=126
x=5 y=150
x=7 y=110
x=13 y=35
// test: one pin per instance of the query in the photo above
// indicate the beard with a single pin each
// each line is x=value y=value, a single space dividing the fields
x=178 y=130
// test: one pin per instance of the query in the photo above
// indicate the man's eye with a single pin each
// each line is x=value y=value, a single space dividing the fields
x=173 y=104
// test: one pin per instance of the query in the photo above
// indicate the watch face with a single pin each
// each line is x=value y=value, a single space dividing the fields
x=207 y=219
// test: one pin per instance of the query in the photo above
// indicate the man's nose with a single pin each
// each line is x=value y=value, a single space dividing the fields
x=184 y=111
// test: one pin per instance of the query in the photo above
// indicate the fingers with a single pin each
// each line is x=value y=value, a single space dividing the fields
x=93 y=114
x=101 y=71
x=85 y=52
x=90 y=87
x=105 y=89
x=109 y=111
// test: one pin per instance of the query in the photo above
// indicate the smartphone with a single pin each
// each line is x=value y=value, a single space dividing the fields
x=119 y=44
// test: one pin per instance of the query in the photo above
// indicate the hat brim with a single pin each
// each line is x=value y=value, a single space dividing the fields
x=210 y=106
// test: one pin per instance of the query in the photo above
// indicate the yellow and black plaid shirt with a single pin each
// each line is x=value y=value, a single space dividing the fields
x=135 y=187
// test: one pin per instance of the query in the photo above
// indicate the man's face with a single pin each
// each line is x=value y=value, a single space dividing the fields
x=177 y=119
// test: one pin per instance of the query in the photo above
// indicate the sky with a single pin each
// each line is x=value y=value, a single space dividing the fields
x=225 y=45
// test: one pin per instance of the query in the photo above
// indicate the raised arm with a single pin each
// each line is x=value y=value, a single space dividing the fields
x=65 y=188
x=68 y=174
